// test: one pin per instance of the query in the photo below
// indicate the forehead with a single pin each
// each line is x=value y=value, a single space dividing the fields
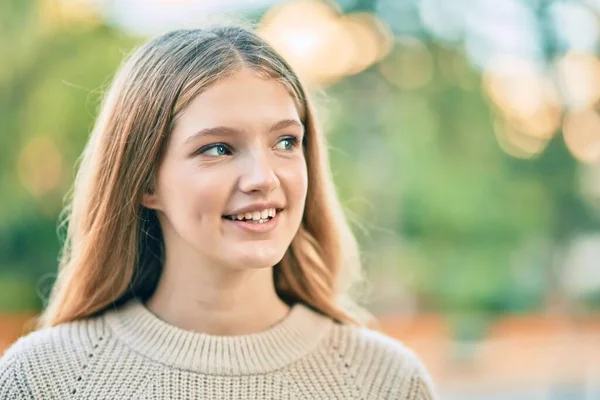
x=244 y=100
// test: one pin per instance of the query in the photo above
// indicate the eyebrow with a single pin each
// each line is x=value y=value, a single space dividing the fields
x=229 y=131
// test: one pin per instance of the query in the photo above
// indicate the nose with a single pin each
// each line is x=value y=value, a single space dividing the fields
x=258 y=175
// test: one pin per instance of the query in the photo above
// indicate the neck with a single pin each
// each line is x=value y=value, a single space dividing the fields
x=227 y=303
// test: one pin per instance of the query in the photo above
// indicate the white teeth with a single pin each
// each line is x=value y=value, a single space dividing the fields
x=260 y=221
x=256 y=216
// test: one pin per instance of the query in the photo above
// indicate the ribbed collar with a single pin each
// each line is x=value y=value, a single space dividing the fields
x=290 y=339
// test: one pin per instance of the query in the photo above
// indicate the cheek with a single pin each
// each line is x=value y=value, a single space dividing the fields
x=295 y=181
x=189 y=191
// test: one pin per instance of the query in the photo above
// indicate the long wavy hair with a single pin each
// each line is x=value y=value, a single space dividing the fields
x=113 y=249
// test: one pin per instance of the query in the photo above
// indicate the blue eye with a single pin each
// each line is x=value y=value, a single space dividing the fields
x=290 y=142
x=216 y=150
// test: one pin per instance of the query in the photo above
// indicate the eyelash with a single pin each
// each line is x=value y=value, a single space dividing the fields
x=206 y=148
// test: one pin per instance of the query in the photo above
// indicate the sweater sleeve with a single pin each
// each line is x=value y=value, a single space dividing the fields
x=12 y=378
x=424 y=389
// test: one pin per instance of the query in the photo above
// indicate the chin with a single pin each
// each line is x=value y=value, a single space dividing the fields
x=259 y=258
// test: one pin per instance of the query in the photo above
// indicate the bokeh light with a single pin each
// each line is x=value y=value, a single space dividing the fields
x=40 y=166
x=371 y=40
x=321 y=43
x=575 y=24
x=582 y=134
x=578 y=75
x=409 y=65
x=528 y=105
x=307 y=33
x=516 y=142
x=67 y=14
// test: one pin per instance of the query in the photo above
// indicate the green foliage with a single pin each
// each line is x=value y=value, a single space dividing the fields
x=16 y=294
x=424 y=164
x=49 y=88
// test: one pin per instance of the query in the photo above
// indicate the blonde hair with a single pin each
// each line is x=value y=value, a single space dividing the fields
x=113 y=246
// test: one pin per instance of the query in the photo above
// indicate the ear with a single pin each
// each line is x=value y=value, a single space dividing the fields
x=150 y=200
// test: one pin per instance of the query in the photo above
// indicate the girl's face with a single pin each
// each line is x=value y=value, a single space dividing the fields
x=237 y=149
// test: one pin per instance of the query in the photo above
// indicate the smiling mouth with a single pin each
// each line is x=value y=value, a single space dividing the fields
x=260 y=220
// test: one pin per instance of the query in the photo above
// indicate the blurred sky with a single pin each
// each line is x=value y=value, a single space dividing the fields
x=487 y=27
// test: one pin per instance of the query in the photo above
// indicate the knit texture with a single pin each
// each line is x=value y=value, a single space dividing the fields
x=129 y=353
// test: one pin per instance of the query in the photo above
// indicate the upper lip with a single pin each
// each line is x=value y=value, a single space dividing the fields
x=257 y=207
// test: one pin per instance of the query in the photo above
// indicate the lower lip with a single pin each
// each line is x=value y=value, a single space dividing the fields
x=257 y=228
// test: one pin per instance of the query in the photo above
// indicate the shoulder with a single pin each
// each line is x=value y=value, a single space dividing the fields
x=48 y=353
x=67 y=338
x=381 y=359
x=361 y=342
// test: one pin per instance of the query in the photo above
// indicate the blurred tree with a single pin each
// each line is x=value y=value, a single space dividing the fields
x=481 y=228
x=49 y=89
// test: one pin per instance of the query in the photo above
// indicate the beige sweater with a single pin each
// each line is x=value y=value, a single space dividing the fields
x=129 y=353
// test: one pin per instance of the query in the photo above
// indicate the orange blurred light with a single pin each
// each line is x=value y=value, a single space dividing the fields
x=516 y=143
x=579 y=77
x=40 y=166
x=371 y=38
x=524 y=95
x=581 y=132
x=542 y=123
x=320 y=43
x=55 y=14
x=307 y=34
x=409 y=65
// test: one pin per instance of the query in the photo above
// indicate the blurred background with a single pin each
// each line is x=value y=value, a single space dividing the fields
x=465 y=143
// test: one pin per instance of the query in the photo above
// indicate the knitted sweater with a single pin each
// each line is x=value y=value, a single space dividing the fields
x=129 y=353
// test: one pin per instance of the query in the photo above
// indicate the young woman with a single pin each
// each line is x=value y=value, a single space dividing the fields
x=207 y=254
